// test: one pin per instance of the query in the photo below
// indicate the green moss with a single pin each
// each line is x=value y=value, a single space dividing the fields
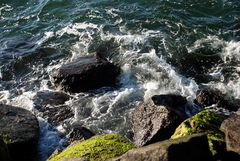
x=205 y=121
x=6 y=139
x=98 y=148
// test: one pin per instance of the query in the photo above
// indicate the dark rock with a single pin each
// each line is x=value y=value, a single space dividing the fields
x=20 y=130
x=86 y=73
x=231 y=128
x=207 y=97
x=4 y=155
x=190 y=148
x=173 y=102
x=79 y=133
x=57 y=114
x=152 y=123
x=44 y=98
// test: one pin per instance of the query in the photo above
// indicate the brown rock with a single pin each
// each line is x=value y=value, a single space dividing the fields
x=231 y=128
x=207 y=97
x=190 y=148
x=153 y=123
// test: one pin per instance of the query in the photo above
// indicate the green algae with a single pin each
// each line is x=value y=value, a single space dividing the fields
x=6 y=139
x=206 y=121
x=97 y=148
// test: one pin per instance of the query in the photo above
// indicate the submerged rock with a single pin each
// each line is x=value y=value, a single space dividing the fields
x=98 y=148
x=43 y=98
x=55 y=115
x=231 y=128
x=86 y=73
x=205 y=121
x=208 y=97
x=152 y=123
x=189 y=148
x=20 y=130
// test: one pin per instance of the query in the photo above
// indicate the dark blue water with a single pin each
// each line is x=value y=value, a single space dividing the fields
x=162 y=46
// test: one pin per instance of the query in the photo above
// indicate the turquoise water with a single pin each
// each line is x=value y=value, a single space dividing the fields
x=162 y=46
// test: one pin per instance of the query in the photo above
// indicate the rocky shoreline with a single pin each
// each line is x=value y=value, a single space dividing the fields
x=161 y=128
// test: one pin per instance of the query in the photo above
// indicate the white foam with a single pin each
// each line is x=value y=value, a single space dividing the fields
x=4 y=97
x=25 y=101
x=46 y=36
x=231 y=52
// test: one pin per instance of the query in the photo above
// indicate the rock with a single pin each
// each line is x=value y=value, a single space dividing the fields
x=79 y=133
x=231 y=128
x=4 y=155
x=205 y=121
x=173 y=102
x=152 y=123
x=98 y=148
x=20 y=130
x=55 y=115
x=207 y=97
x=86 y=73
x=44 y=98
x=189 y=148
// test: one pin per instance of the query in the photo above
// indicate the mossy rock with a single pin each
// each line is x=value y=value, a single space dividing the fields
x=205 y=121
x=97 y=148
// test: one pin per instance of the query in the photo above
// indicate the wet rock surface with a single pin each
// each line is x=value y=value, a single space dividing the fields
x=55 y=115
x=86 y=73
x=207 y=97
x=43 y=98
x=20 y=131
x=172 y=102
x=79 y=133
x=190 y=148
x=231 y=128
x=152 y=123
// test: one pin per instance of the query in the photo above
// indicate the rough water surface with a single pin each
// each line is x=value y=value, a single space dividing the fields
x=162 y=46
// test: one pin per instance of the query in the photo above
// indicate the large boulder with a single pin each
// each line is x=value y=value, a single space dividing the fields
x=86 y=73
x=4 y=155
x=98 y=148
x=231 y=128
x=152 y=123
x=207 y=97
x=20 y=130
x=208 y=122
x=190 y=148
